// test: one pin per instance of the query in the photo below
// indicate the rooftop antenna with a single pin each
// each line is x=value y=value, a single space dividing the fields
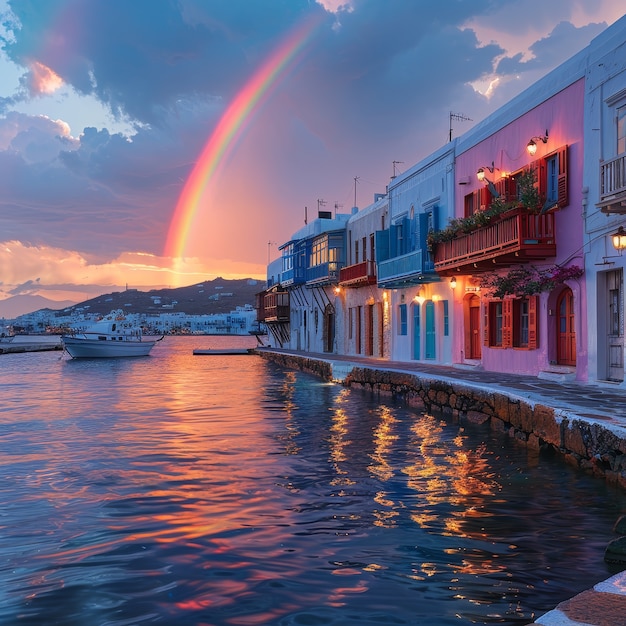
x=319 y=204
x=394 y=167
x=269 y=245
x=457 y=116
x=337 y=206
x=306 y=220
x=356 y=180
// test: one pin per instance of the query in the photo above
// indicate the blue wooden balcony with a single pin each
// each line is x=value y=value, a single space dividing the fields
x=412 y=268
x=293 y=276
x=323 y=273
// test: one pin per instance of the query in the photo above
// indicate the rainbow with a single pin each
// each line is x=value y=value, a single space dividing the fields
x=228 y=130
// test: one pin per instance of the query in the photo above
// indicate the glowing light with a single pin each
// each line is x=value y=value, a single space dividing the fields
x=227 y=131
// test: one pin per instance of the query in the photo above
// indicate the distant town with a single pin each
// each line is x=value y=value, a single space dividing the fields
x=218 y=307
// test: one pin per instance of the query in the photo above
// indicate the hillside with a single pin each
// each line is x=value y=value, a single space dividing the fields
x=212 y=296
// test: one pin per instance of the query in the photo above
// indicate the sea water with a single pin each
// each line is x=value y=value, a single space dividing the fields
x=225 y=490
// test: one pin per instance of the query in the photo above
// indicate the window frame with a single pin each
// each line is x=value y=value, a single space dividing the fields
x=504 y=323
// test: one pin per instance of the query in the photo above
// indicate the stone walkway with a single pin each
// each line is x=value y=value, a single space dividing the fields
x=605 y=603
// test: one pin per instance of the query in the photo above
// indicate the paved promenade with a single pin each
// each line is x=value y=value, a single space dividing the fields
x=605 y=603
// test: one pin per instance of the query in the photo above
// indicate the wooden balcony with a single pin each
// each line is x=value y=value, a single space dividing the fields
x=613 y=185
x=276 y=307
x=324 y=273
x=272 y=307
x=358 y=275
x=413 y=268
x=514 y=237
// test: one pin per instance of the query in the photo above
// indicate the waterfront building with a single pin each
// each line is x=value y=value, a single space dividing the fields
x=515 y=245
x=604 y=202
x=239 y=321
x=300 y=311
x=364 y=307
x=420 y=200
x=488 y=247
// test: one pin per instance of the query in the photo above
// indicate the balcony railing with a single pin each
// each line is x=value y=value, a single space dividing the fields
x=323 y=273
x=275 y=307
x=514 y=237
x=412 y=267
x=359 y=274
x=292 y=276
x=613 y=184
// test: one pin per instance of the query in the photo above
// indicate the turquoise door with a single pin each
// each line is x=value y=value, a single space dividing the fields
x=430 y=330
x=416 y=331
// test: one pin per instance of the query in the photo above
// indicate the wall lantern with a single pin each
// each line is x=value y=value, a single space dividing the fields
x=480 y=174
x=619 y=239
x=531 y=146
x=337 y=290
x=453 y=282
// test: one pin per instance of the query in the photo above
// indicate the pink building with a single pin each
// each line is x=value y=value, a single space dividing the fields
x=514 y=252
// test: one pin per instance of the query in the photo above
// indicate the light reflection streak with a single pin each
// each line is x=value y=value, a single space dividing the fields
x=338 y=440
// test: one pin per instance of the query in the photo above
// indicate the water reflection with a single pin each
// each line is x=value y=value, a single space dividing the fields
x=201 y=490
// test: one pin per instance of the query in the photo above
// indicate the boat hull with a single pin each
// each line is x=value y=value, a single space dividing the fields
x=79 y=348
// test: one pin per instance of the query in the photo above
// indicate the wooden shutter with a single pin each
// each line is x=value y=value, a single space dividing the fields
x=485 y=198
x=477 y=197
x=533 y=322
x=507 y=323
x=382 y=245
x=562 y=198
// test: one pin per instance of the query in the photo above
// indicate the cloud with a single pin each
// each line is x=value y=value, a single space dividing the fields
x=562 y=42
x=61 y=274
x=373 y=85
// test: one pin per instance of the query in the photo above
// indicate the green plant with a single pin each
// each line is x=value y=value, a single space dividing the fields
x=528 y=192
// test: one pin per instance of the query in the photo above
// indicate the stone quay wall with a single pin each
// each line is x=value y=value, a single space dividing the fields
x=582 y=443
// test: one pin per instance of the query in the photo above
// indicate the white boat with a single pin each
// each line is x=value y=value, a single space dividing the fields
x=111 y=336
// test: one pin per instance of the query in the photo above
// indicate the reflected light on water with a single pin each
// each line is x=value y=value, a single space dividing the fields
x=190 y=490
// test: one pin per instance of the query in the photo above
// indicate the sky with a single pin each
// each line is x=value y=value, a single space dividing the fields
x=161 y=143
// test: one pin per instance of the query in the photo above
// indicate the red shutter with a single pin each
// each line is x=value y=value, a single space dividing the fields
x=507 y=323
x=485 y=198
x=533 y=322
x=500 y=186
x=563 y=199
x=477 y=200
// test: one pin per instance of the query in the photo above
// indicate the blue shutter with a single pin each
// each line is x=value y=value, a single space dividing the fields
x=382 y=245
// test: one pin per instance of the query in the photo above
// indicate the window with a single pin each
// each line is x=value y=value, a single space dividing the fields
x=552 y=177
x=365 y=248
x=288 y=254
x=446 y=317
x=520 y=328
x=478 y=200
x=402 y=326
x=356 y=251
x=495 y=323
x=372 y=248
x=319 y=252
x=621 y=130
x=512 y=323
x=469 y=205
